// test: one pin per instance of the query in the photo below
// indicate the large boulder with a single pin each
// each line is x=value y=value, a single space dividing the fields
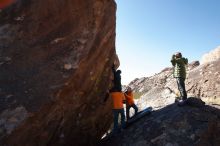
x=55 y=68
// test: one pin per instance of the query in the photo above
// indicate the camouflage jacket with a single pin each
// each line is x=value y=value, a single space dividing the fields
x=179 y=67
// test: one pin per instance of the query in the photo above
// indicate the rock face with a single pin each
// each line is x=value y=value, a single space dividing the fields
x=211 y=56
x=195 y=124
x=55 y=61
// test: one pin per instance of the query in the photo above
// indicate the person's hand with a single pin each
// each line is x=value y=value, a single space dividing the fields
x=124 y=101
x=174 y=56
x=113 y=66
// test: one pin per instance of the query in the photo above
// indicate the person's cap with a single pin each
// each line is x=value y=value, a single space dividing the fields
x=178 y=54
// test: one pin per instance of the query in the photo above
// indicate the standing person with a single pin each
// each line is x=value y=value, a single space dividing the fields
x=179 y=64
x=130 y=102
x=118 y=109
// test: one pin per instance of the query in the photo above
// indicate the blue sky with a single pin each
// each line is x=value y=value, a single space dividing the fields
x=148 y=32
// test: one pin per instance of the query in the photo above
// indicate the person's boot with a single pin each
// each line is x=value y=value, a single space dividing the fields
x=177 y=99
x=182 y=103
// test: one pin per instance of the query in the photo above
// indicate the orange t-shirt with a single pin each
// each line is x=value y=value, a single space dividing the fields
x=129 y=98
x=117 y=98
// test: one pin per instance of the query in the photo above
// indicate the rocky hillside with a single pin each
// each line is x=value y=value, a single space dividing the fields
x=202 y=81
x=55 y=68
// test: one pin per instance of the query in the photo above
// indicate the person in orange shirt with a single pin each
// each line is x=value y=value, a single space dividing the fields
x=130 y=102
x=117 y=98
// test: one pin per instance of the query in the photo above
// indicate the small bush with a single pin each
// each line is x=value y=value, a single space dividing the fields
x=137 y=95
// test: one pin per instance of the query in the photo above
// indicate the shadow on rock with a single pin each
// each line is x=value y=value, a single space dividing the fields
x=193 y=124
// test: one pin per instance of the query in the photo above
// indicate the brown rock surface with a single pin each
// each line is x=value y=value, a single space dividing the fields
x=55 y=60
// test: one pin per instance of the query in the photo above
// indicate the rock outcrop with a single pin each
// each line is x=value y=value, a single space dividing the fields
x=195 y=124
x=55 y=68
x=204 y=82
x=211 y=56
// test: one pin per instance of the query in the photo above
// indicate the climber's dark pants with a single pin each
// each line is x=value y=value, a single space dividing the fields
x=116 y=113
x=181 y=87
x=128 y=110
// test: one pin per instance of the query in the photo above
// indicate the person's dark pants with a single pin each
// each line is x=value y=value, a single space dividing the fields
x=181 y=87
x=116 y=113
x=128 y=110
